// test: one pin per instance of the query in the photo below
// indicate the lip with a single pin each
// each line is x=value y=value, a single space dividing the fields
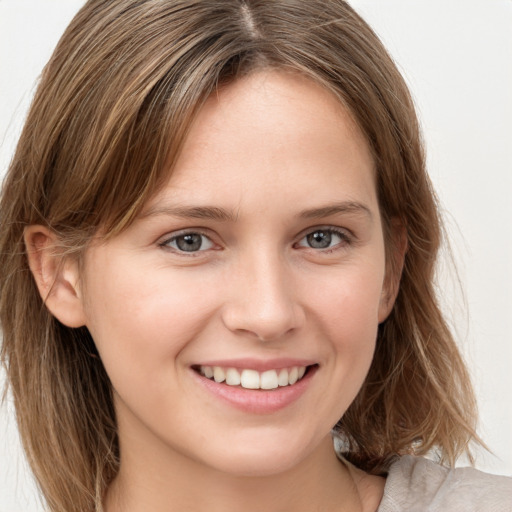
x=257 y=401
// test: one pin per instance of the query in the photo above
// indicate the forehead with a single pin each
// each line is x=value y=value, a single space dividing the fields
x=275 y=133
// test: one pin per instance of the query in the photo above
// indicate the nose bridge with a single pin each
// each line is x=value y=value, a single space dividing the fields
x=263 y=300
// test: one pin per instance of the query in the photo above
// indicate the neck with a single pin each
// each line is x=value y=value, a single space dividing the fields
x=163 y=483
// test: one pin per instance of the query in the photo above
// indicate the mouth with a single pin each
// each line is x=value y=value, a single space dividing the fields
x=256 y=387
x=247 y=378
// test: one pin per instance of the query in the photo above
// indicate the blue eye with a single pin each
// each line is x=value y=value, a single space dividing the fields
x=323 y=239
x=189 y=242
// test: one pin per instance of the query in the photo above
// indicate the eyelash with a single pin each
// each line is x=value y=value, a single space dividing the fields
x=165 y=244
x=345 y=237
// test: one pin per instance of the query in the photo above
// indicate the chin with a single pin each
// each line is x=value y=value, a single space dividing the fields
x=260 y=466
x=262 y=454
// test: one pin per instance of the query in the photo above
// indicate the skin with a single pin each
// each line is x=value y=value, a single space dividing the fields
x=264 y=149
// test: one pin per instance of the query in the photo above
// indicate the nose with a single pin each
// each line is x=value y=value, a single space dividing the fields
x=263 y=302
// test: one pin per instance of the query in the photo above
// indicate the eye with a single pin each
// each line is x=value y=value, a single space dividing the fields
x=324 y=238
x=188 y=242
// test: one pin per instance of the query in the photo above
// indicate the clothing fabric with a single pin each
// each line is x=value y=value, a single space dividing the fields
x=415 y=484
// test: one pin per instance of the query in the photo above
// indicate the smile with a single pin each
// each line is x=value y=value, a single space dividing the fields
x=252 y=379
x=264 y=390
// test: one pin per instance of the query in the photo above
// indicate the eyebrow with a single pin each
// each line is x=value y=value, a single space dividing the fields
x=224 y=215
x=343 y=207
x=192 y=212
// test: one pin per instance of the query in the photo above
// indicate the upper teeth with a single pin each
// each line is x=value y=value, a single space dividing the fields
x=252 y=379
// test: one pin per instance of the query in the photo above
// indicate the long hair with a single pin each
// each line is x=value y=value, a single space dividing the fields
x=113 y=107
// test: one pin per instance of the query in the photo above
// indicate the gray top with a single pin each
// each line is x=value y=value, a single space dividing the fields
x=415 y=484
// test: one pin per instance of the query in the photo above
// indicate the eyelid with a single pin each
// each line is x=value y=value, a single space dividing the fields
x=347 y=236
x=164 y=241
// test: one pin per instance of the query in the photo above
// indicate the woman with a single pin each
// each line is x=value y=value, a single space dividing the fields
x=218 y=241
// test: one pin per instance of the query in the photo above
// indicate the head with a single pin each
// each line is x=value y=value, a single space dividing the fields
x=110 y=124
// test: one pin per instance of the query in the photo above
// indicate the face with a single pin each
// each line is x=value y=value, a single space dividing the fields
x=261 y=262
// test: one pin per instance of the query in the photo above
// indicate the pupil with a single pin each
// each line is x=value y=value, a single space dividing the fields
x=319 y=239
x=189 y=243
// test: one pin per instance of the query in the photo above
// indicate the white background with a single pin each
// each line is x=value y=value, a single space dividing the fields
x=457 y=58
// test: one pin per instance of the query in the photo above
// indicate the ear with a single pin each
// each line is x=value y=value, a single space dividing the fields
x=56 y=276
x=395 y=258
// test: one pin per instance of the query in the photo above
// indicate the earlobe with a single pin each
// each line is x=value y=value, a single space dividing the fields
x=56 y=276
x=394 y=266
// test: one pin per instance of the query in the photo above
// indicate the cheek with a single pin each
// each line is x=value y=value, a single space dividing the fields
x=348 y=300
x=141 y=320
x=342 y=308
x=346 y=309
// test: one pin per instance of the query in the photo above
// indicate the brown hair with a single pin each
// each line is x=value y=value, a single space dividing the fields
x=113 y=105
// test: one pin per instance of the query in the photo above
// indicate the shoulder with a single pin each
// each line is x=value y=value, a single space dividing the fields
x=415 y=484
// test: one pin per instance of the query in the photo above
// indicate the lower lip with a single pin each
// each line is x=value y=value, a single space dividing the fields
x=258 y=401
